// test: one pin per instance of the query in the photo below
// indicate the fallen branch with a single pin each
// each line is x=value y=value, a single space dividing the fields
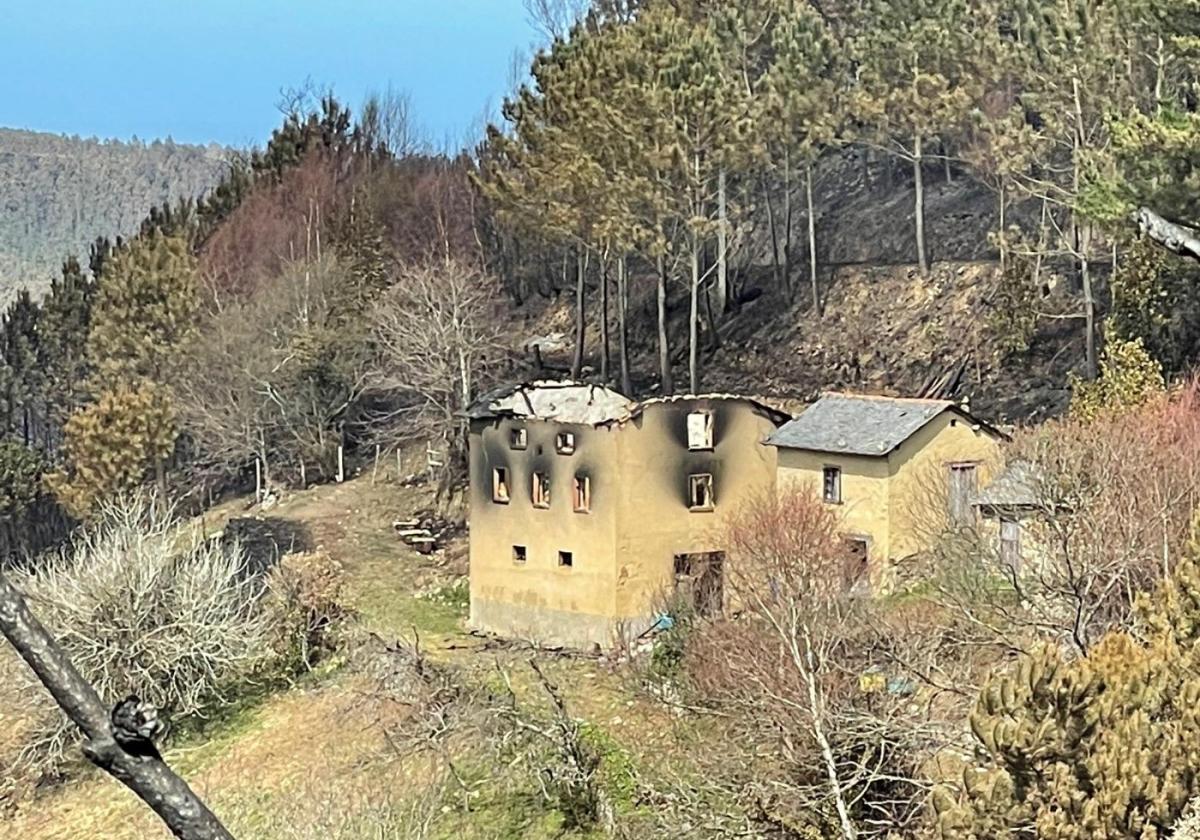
x=1174 y=237
x=119 y=743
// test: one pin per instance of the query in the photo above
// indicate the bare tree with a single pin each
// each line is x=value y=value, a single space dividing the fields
x=439 y=343
x=554 y=18
x=1110 y=504
x=119 y=742
x=787 y=675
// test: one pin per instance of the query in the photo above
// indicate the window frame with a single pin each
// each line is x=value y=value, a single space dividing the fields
x=566 y=559
x=834 y=471
x=518 y=438
x=564 y=443
x=581 y=502
x=709 y=442
x=540 y=481
x=693 y=481
x=520 y=555
x=968 y=514
x=500 y=480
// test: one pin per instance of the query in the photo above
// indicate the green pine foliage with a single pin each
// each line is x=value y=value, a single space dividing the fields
x=1102 y=746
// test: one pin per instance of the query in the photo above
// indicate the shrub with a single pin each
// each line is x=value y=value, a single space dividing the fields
x=1129 y=377
x=142 y=611
x=1101 y=746
x=305 y=605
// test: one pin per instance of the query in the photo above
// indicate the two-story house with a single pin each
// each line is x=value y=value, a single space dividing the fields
x=898 y=472
x=589 y=510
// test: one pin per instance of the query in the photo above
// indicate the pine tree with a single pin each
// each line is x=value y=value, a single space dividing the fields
x=115 y=444
x=144 y=311
x=1102 y=746
x=917 y=79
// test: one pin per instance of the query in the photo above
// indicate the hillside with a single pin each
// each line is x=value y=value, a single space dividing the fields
x=57 y=194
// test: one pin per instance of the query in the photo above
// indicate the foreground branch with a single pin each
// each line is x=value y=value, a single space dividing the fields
x=121 y=743
x=1174 y=237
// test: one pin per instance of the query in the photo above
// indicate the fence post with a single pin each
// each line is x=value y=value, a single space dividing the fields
x=341 y=474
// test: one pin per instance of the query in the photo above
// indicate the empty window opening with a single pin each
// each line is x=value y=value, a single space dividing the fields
x=700 y=430
x=831 y=484
x=564 y=444
x=700 y=582
x=566 y=558
x=963 y=483
x=540 y=493
x=700 y=491
x=518 y=438
x=582 y=494
x=520 y=554
x=1010 y=544
x=857 y=566
x=500 y=485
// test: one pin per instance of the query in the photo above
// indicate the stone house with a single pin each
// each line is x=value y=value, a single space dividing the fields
x=899 y=471
x=589 y=510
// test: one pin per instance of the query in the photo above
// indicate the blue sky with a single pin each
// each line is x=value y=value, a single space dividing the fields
x=212 y=70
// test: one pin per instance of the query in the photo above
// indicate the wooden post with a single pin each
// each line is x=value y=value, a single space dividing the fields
x=341 y=473
x=399 y=466
x=375 y=471
x=303 y=477
x=257 y=480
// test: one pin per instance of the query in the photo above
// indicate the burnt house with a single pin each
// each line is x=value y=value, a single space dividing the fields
x=590 y=510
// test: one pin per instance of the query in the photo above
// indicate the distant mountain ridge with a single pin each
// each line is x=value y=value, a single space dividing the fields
x=58 y=193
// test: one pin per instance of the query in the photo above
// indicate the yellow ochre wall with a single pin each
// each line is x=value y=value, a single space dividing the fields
x=624 y=549
x=654 y=522
x=864 y=509
x=920 y=477
x=539 y=600
x=898 y=502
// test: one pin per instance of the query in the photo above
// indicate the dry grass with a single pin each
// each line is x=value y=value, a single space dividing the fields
x=314 y=762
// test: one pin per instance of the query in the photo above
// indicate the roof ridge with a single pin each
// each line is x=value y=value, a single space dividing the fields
x=882 y=397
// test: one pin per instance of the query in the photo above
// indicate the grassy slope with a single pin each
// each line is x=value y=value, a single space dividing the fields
x=285 y=754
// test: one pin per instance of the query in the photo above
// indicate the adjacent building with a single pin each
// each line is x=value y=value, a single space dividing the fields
x=898 y=471
x=589 y=510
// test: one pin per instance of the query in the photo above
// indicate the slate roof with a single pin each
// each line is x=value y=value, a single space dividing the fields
x=856 y=424
x=579 y=403
x=1015 y=487
x=561 y=401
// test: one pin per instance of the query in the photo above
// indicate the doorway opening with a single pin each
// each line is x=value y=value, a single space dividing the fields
x=700 y=581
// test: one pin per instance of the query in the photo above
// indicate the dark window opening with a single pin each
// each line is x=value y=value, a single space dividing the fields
x=700 y=582
x=1010 y=544
x=700 y=491
x=500 y=485
x=582 y=494
x=963 y=484
x=540 y=493
x=700 y=430
x=831 y=484
x=518 y=438
x=520 y=554
x=564 y=444
x=566 y=558
x=857 y=566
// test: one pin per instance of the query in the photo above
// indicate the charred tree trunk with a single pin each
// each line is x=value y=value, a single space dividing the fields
x=604 y=343
x=664 y=346
x=919 y=205
x=119 y=743
x=623 y=324
x=580 y=315
x=722 y=246
x=694 y=319
x=812 y=240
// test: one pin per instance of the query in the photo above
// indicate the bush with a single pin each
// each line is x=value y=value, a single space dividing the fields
x=141 y=609
x=1096 y=746
x=305 y=605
